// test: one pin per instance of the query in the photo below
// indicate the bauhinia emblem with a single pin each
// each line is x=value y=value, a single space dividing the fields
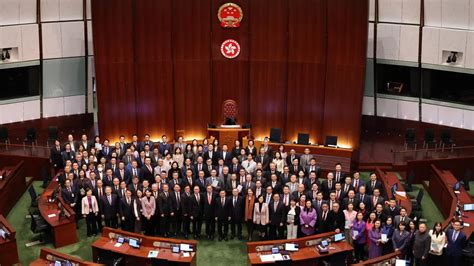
x=230 y=48
x=230 y=15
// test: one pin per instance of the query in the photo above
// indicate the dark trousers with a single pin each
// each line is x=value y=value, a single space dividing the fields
x=111 y=221
x=250 y=226
x=454 y=261
x=223 y=228
x=148 y=226
x=435 y=260
x=197 y=225
x=359 y=251
x=91 y=224
x=128 y=224
x=98 y=220
x=420 y=262
x=156 y=224
x=176 y=223
x=164 y=224
x=186 y=225
x=276 y=232
x=210 y=226
x=233 y=225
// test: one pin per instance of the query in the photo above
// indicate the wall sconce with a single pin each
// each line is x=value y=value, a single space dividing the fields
x=6 y=54
x=452 y=58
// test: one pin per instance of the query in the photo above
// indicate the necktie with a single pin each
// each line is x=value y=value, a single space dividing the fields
x=197 y=196
x=324 y=216
x=234 y=201
x=69 y=189
x=337 y=194
x=128 y=201
x=177 y=197
x=110 y=200
x=373 y=184
x=222 y=202
x=209 y=198
x=338 y=176
x=275 y=205
x=455 y=236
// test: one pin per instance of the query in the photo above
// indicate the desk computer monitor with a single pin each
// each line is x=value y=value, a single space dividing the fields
x=331 y=141
x=175 y=248
x=339 y=237
x=275 y=134
x=275 y=250
x=120 y=240
x=134 y=243
x=469 y=207
x=303 y=138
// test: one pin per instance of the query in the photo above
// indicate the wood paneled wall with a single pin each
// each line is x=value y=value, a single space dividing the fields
x=301 y=67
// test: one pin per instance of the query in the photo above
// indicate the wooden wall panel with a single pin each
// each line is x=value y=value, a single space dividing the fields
x=306 y=68
x=346 y=53
x=113 y=49
x=153 y=68
x=230 y=77
x=192 y=65
x=268 y=65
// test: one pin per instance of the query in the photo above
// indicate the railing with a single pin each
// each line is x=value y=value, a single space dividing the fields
x=400 y=157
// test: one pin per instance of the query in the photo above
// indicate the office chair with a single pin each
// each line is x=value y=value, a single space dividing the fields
x=429 y=139
x=416 y=203
x=408 y=185
x=410 y=138
x=52 y=135
x=38 y=226
x=446 y=139
x=30 y=137
x=33 y=209
x=4 y=136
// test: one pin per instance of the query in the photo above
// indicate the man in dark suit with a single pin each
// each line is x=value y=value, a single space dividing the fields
x=126 y=212
x=392 y=209
x=351 y=198
x=188 y=179
x=108 y=179
x=106 y=151
x=164 y=146
x=165 y=210
x=291 y=157
x=109 y=208
x=338 y=174
x=235 y=166
x=363 y=197
x=222 y=215
x=210 y=154
x=123 y=174
x=225 y=155
x=295 y=167
x=357 y=182
x=376 y=199
x=277 y=217
x=276 y=186
x=328 y=185
x=67 y=154
x=69 y=194
x=264 y=159
x=336 y=219
x=323 y=220
x=209 y=212
x=186 y=210
x=201 y=181
x=55 y=156
x=456 y=241
x=146 y=171
x=298 y=193
x=134 y=186
x=146 y=141
x=196 y=211
x=237 y=213
x=373 y=184
x=312 y=167
x=176 y=211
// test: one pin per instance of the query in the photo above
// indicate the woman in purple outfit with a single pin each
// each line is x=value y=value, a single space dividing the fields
x=308 y=219
x=358 y=236
x=375 y=240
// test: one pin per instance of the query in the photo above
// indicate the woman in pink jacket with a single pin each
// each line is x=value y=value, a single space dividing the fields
x=148 y=210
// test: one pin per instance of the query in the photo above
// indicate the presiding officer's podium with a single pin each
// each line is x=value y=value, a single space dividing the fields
x=228 y=134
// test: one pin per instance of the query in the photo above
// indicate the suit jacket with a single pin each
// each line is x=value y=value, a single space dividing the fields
x=392 y=213
x=370 y=189
x=400 y=241
x=297 y=215
x=261 y=216
x=211 y=155
x=227 y=158
x=237 y=209
x=222 y=212
x=277 y=215
x=148 y=206
x=265 y=161
x=125 y=209
x=175 y=206
x=346 y=200
x=317 y=169
x=209 y=210
x=235 y=169
x=304 y=160
x=455 y=247
x=360 y=183
x=141 y=145
x=185 y=204
x=69 y=197
x=324 y=226
x=71 y=155
x=85 y=205
x=162 y=147
x=197 y=207
x=56 y=157
x=164 y=203
x=220 y=183
x=229 y=187
x=131 y=187
x=397 y=219
x=336 y=220
x=294 y=171
x=109 y=209
x=367 y=200
x=326 y=188
x=127 y=175
x=289 y=159
x=146 y=174
x=106 y=152
x=341 y=177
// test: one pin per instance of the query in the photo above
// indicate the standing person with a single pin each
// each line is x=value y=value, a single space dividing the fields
x=359 y=237
x=308 y=219
x=438 y=240
x=137 y=212
x=223 y=215
x=401 y=239
x=248 y=216
x=176 y=210
x=411 y=230
x=237 y=211
x=126 y=212
x=197 y=202
x=186 y=210
x=209 y=212
x=90 y=210
x=350 y=216
x=261 y=216
x=277 y=216
x=148 y=209
x=375 y=247
x=421 y=245
x=109 y=208
x=388 y=230
x=165 y=210
x=456 y=240
x=292 y=219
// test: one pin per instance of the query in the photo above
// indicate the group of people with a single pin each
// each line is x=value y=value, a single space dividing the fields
x=172 y=190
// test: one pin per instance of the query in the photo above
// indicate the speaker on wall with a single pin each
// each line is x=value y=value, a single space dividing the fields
x=303 y=139
x=275 y=134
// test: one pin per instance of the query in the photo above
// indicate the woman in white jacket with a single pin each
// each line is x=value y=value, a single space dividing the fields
x=90 y=210
x=438 y=240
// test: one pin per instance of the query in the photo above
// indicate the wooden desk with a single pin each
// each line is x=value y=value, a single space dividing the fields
x=388 y=179
x=64 y=228
x=326 y=157
x=441 y=189
x=12 y=186
x=388 y=258
x=8 y=247
x=106 y=243
x=48 y=256
x=307 y=253
x=228 y=135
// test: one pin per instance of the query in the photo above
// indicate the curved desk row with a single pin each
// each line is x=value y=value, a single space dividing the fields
x=49 y=256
